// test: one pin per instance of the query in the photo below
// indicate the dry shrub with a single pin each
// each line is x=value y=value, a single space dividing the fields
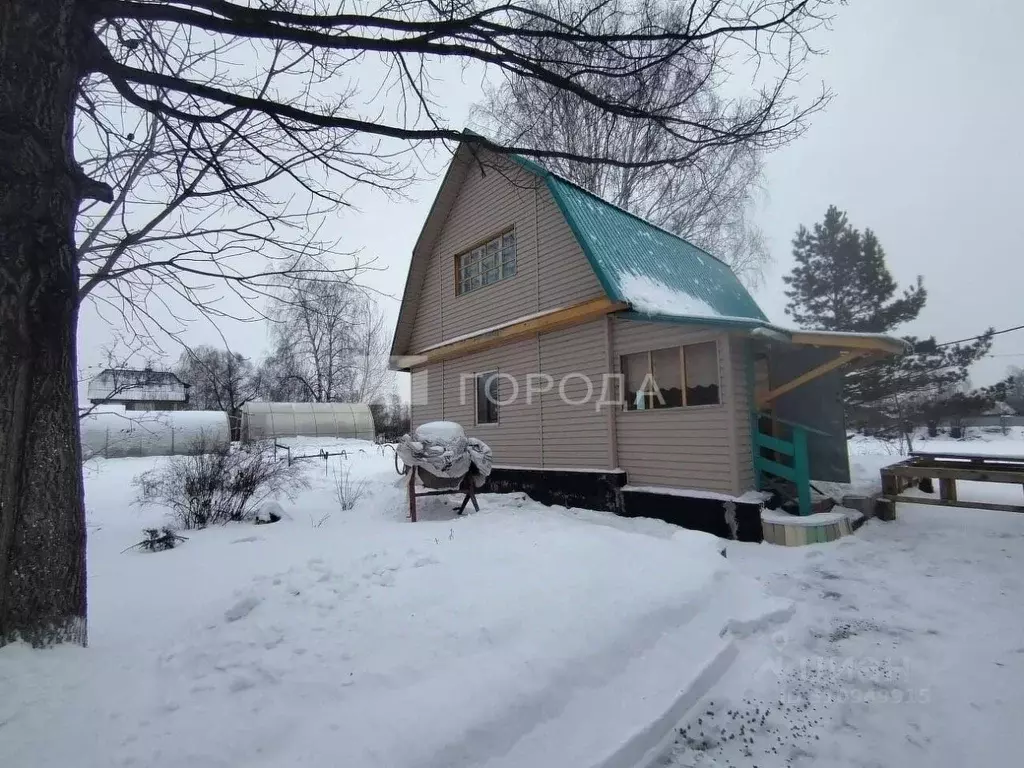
x=216 y=485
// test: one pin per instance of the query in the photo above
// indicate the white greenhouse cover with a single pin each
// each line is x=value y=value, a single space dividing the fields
x=116 y=434
x=273 y=420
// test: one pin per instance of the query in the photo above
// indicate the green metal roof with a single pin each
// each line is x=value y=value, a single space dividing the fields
x=661 y=275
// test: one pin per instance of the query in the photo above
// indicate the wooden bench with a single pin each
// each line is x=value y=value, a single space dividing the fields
x=947 y=468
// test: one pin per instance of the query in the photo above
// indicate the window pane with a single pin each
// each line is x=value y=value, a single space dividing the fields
x=668 y=378
x=486 y=398
x=634 y=370
x=488 y=263
x=701 y=366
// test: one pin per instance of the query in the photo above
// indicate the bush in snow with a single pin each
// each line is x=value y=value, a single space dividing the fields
x=219 y=485
x=346 y=490
x=158 y=540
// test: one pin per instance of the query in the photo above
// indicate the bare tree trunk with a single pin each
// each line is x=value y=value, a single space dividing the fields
x=42 y=519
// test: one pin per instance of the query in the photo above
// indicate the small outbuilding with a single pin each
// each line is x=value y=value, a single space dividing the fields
x=263 y=421
x=139 y=390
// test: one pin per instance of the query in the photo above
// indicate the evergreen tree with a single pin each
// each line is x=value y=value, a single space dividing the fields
x=841 y=283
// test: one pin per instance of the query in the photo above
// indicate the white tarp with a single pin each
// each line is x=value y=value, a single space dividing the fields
x=442 y=449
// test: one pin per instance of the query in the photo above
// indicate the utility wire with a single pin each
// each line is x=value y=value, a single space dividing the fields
x=975 y=338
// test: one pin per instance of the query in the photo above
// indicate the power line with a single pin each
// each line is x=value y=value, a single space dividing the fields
x=975 y=338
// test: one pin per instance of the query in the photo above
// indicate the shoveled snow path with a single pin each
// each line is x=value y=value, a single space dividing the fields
x=906 y=648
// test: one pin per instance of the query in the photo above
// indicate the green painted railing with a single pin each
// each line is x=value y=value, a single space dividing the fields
x=793 y=451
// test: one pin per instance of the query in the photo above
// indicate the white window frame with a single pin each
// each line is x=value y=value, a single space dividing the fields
x=469 y=265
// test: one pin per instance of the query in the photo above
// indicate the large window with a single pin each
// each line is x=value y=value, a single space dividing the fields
x=487 y=263
x=487 y=398
x=673 y=377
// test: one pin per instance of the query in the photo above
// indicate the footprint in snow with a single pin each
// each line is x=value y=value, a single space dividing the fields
x=241 y=609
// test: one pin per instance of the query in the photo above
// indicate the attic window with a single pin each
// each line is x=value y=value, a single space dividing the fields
x=487 y=263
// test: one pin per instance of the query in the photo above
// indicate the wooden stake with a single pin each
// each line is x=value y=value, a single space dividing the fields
x=412 y=494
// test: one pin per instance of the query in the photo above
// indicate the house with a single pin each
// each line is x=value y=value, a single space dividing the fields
x=139 y=390
x=607 y=362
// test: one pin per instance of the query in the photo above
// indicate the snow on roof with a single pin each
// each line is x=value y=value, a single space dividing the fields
x=651 y=296
x=622 y=247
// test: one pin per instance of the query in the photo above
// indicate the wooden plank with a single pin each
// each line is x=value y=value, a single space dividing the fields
x=890 y=483
x=947 y=488
x=548 y=321
x=982 y=475
x=967 y=456
x=843 y=358
x=965 y=504
x=866 y=343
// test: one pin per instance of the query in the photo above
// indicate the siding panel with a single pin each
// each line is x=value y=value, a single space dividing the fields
x=426 y=330
x=575 y=436
x=427 y=386
x=743 y=399
x=516 y=438
x=677 y=447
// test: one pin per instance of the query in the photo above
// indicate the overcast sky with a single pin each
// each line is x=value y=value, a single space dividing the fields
x=920 y=144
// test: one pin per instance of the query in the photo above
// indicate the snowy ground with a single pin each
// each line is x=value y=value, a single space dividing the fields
x=522 y=635
x=527 y=635
x=906 y=646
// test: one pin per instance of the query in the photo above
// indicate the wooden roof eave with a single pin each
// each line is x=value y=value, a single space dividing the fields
x=515 y=330
x=874 y=343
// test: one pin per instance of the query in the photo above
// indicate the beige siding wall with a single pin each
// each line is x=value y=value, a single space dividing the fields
x=566 y=277
x=426 y=388
x=426 y=331
x=679 y=447
x=575 y=436
x=541 y=432
x=552 y=270
x=516 y=438
x=742 y=405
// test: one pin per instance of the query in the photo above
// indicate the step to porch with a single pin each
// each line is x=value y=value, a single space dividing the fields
x=795 y=531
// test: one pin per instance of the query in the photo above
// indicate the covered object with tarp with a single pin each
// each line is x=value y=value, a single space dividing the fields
x=117 y=434
x=262 y=421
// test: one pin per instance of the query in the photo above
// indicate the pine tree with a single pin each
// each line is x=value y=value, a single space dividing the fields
x=841 y=283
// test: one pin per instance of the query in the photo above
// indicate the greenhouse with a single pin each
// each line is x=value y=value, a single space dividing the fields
x=114 y=434
x=262 y=421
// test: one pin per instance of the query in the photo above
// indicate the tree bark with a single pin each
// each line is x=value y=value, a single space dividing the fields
x=42 y=515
